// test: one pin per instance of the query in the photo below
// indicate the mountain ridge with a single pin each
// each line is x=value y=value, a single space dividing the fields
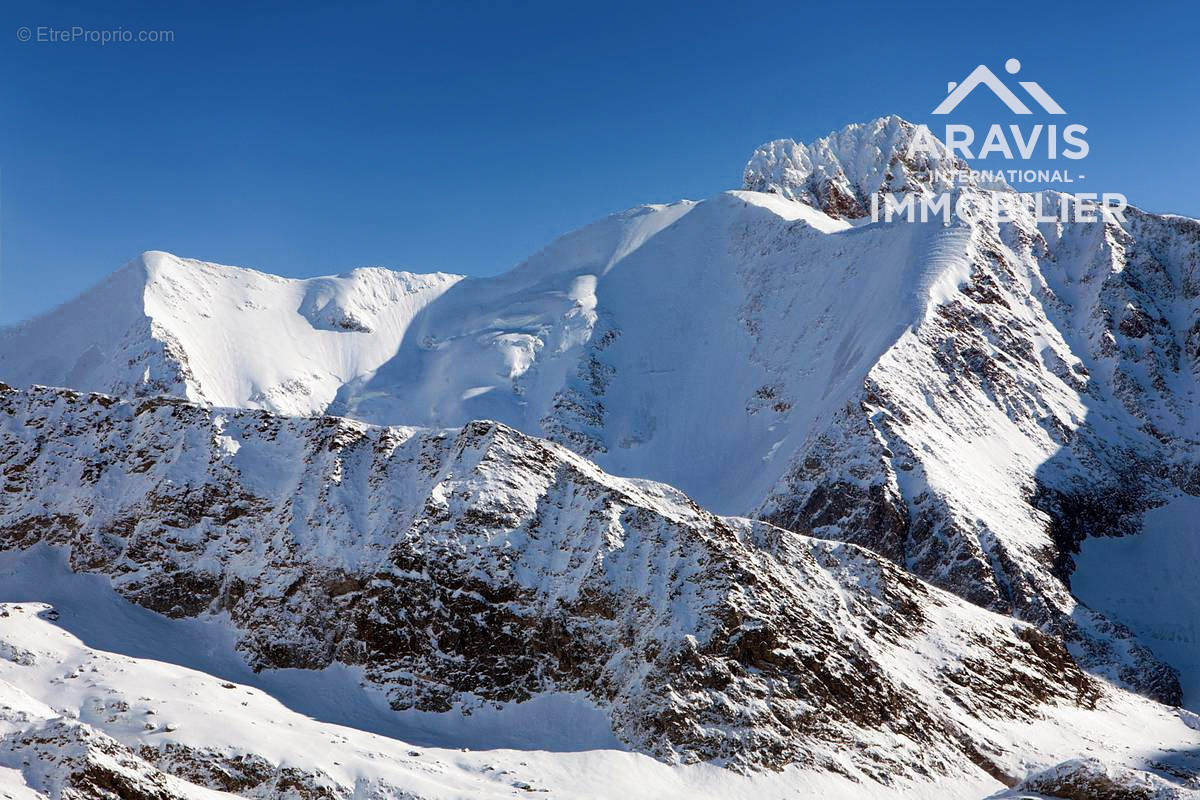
x=496 y=567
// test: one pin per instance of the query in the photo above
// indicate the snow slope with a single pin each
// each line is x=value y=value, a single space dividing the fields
x=101 y=618
x=587 y=375
x=559 y=346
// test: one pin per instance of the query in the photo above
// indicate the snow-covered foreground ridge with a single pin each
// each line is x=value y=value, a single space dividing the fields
x=465 y=567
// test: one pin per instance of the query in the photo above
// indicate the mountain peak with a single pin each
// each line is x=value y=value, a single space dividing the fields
x=839 y=172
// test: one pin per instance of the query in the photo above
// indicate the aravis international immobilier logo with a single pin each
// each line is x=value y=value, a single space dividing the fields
x=1050 y=141
x=982 y=76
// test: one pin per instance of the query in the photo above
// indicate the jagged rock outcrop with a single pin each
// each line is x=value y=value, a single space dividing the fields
x=1092 y=779
x=839 y=173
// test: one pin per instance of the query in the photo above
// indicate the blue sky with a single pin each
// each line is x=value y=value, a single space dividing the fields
x=307 y=139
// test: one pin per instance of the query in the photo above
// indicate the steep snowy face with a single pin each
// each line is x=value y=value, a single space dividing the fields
x=1047 y=396
x=100 y=340
x=839 y=173
x=220 y=335
x=478 y=565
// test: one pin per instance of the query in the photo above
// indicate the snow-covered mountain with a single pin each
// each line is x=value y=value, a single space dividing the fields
x=970 y=401
x=223 y=336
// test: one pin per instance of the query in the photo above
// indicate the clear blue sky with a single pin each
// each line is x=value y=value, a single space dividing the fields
x=308 y=139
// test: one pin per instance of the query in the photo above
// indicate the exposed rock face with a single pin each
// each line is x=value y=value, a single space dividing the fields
x=250 y=775
x=483 y=563
x=1019 y=416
